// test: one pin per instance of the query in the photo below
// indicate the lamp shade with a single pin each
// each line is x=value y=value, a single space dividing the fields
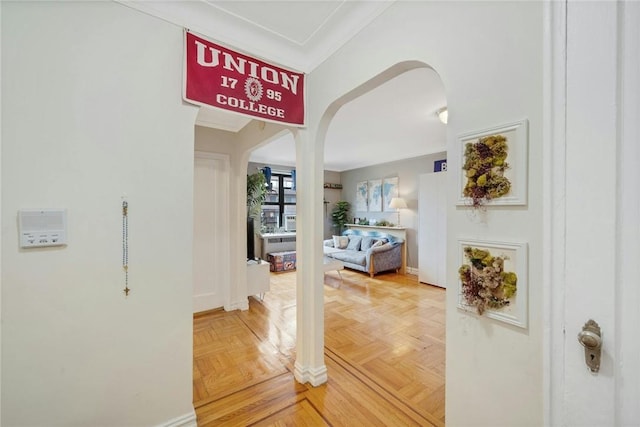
x=398 y=203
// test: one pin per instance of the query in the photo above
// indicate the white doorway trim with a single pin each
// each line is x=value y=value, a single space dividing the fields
x=627 y=373
x=553 y=216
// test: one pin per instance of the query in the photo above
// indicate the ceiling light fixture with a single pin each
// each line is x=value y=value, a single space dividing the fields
x=443 y=115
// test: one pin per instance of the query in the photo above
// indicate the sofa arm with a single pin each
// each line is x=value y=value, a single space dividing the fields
x=382 y=248
x=385 y=257
x=328 y=243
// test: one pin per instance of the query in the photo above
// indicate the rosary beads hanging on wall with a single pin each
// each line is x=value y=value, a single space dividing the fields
x=125 y=245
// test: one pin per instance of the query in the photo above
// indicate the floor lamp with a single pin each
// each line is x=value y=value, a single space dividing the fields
x=398 y=203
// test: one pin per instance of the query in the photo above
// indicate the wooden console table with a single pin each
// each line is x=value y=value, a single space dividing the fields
x=399 y=232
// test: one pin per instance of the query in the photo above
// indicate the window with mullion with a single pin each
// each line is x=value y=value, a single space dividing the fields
x=280 y=201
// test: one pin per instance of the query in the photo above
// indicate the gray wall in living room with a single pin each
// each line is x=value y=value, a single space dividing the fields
x=407 y=172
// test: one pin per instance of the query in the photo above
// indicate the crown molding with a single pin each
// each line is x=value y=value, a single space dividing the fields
x=252 y=38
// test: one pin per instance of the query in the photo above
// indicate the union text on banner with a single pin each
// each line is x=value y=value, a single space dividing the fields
x=220 y=77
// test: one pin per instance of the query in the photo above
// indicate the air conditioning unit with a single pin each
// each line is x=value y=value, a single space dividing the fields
x=290 y=222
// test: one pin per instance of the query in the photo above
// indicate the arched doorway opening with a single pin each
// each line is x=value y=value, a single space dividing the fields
x=394 y=117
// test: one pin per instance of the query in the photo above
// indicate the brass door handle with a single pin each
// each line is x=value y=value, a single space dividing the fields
x=591 y=339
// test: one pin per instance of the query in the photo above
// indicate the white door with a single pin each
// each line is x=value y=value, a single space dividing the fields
x=432 y=228
x=593 y=212
x=211 y=263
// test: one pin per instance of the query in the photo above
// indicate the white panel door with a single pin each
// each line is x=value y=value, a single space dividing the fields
x=211 y=264
x=432 y=228
x=594 y=212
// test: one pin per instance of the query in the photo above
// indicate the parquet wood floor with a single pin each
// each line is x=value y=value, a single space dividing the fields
x=384 y=351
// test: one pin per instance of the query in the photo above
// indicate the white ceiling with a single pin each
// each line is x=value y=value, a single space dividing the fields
x=395 y=121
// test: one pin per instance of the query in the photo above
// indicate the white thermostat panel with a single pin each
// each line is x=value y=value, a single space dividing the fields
x=42 y=227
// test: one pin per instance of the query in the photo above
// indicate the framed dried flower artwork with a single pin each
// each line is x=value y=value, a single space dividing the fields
x=494 y=166
x=493 y=280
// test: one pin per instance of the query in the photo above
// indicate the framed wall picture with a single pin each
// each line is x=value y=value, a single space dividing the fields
x=492 y=280
x=389 y=191
x=494 y=166
x=361 y=196
x=375 y=195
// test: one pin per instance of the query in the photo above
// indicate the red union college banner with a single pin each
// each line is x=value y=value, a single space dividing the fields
x=223 y=78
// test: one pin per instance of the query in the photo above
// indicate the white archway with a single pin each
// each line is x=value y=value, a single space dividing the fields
x=310 y=365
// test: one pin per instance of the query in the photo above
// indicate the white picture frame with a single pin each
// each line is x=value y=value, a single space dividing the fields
x=517 y=135
x=515 y=255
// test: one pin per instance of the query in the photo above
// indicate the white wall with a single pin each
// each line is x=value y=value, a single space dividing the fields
x=92 y=110
x=489 y=56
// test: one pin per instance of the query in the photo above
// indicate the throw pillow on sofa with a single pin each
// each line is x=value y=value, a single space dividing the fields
x=354 y=243
x=377 y=243
x=340 y=242
x=366 y=243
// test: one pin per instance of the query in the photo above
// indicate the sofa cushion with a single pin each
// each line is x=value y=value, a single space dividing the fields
x=354 y=243
x=352 y=257
x=330 y=250
x=366 y=243
x=340 y=242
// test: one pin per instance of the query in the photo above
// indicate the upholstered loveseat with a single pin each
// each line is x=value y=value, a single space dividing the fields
x=368 y=251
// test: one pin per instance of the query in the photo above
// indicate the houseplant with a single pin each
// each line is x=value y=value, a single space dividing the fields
x=339 y=215
x=256 y=193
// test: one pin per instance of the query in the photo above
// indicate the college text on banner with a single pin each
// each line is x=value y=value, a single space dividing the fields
x=222 y=78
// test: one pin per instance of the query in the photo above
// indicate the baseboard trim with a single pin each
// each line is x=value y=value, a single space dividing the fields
x=238 y=305
x=412 y=270
x=314 y=376
x=186 y=420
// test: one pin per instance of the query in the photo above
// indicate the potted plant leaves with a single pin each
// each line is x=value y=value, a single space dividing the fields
x=340 y=215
